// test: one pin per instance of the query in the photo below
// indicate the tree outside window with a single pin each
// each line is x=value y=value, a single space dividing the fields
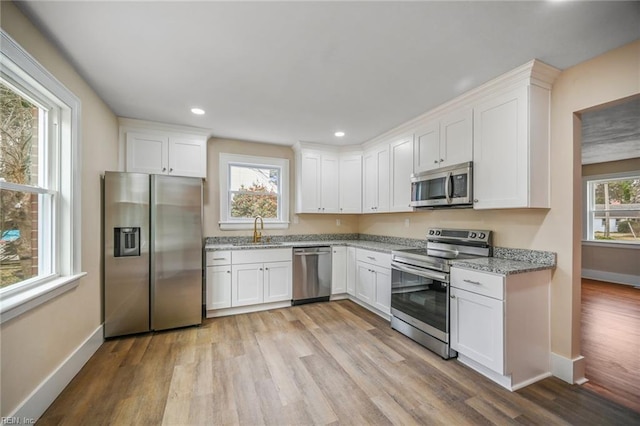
x=18 y=209
x=254 y=191
x=615 y=209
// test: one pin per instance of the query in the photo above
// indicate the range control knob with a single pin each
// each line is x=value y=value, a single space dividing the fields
x=482 y=235
x=438 y=232
x=472 y=235
x=430 y=231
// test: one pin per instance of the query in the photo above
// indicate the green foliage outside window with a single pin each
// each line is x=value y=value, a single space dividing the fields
x=256 y=200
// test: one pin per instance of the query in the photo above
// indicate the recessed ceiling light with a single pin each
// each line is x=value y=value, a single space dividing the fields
x=197 y=111
x=339 y=134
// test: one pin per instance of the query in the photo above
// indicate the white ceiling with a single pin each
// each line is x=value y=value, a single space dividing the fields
x=282 y=72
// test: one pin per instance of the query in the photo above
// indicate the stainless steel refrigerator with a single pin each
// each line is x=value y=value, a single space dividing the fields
x=152 y=252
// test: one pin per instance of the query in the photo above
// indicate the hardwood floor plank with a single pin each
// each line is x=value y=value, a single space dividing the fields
x=327 y=363
x=611 y=340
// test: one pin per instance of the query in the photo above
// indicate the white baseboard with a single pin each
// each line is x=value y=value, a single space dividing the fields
x=569 y=370
x=611 y=277
x=41 y=398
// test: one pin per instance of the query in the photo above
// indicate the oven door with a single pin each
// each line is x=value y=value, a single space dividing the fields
x=420 y=297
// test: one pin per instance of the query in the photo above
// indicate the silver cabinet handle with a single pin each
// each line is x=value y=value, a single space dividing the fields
x=219 y=258
x=452 y=296
x=164 y=169
x=472 y=282
x=171 y=169
x=228 y=272
x=371 y=257
x=435 y=161
x=261 y=269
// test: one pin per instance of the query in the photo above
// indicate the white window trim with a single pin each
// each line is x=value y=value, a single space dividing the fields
x=21 y=67
x=586 y=220
x=225 y=159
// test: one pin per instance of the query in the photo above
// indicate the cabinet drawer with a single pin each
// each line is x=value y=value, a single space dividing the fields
x=261 y=255
x=478 y=282
x=374 y=257
x=215 y=258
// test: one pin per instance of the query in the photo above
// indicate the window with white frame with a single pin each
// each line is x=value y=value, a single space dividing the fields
x=253 y=186
x=39 y=184
x=612 y=208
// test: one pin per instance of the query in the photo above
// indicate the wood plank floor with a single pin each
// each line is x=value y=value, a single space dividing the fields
x=323 y=363
x=611 y=340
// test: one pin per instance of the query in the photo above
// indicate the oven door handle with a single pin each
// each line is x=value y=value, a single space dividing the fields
x=420 y=272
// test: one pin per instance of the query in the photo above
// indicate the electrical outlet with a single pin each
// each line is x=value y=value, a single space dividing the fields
x=338 y=222
x=406 y=223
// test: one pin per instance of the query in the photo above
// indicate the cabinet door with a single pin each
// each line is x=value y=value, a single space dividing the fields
x=352 y=268
x=427 y=148
x=401 y=169
x=384 y=178
x=309 y=184
x=351 y=184
x=277 y=281
x=382 y=278
x=456 y=138
x=370 y=184
x=218 y=287
x=365 y=283
x=147 y=153
x=329 y=184
x=247 y=284
x=339 y=270
x=477 y=328
x=500 y=151
x=187 y=157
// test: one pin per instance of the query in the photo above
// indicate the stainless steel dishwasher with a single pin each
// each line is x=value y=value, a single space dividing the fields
x=311 y=274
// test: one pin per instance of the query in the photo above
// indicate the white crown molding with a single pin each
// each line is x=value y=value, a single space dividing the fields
x=129 y=124
x=533 y=72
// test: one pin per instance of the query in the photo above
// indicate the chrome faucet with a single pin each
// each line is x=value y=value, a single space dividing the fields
x=257 y=235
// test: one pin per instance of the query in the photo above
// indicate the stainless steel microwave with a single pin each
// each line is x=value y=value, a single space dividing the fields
x=444 y=187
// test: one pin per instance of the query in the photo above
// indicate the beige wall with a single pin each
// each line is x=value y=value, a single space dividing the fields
x=37 y=342
x=307 y=223
x=616 y=260
x=606 y=78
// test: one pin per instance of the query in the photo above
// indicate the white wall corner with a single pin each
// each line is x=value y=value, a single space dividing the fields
x=570 y=370
x=41 y=398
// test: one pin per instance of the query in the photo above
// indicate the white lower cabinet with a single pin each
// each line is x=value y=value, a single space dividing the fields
x=351 y=271
x=500 y=324
x=218 y=287
x=277 y=281
x=477 y=328
x=247 y=284
x=338 y=270
x=247 y=279
x=373 y=280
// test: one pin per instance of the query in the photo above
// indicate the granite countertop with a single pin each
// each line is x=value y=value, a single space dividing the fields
x=383 y=247
x=506 y=261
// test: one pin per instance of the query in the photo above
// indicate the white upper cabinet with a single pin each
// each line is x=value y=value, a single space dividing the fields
x=162 y=149
x=350 y=191
x=309 y=181
x=376 y=180
x=147 y=153
x=327 y=181
x=511 y=149
x=401 y=169
x=444 y=142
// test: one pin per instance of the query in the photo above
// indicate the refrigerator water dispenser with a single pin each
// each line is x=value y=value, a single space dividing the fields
x=127 y=242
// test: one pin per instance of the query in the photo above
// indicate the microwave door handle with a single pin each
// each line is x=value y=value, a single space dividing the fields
x=447 y=187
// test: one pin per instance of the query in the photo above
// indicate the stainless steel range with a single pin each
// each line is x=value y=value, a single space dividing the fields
x=420 y=284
